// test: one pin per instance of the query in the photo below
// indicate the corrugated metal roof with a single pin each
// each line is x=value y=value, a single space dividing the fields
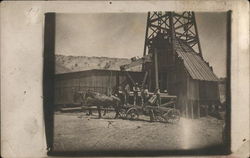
x=197 y=67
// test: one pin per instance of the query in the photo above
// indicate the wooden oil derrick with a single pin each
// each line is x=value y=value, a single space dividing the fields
x=165 y=33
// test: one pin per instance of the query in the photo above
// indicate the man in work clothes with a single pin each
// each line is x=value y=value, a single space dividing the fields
x=121 y=95
x=127 y=91
x=136 y=89
x=144 y=95
x=154 y=101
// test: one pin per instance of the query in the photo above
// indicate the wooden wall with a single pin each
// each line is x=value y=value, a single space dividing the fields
x=100 y=81
x=181 y=88
x=193 y=95
x=193 y=98
x=200 y=94
x=65 y=87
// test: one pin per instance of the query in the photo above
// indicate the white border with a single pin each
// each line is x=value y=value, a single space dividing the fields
x=22 y=132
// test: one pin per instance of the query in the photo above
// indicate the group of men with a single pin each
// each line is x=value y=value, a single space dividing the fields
x=140 y=95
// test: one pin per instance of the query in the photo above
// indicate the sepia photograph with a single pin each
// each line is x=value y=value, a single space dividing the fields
x=139 y=82
x=124 y=78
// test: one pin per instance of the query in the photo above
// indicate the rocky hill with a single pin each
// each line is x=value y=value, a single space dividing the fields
x=66 y=64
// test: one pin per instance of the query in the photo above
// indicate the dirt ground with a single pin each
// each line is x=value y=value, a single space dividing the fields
x=78 y=132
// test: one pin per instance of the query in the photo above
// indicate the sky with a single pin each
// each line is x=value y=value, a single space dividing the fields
x=122 y=35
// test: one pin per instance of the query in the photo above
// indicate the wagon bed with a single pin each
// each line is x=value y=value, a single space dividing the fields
x=162 y=114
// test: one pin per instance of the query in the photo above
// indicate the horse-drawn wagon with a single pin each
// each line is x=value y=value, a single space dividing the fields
x=165 y=112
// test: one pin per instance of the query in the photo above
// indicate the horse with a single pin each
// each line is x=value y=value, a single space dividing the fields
x=100 y=100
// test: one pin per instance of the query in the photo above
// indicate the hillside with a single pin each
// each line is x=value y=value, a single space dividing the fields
x=66 y=64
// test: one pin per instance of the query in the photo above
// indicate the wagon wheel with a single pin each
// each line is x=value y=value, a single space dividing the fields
x=132 y=114
x=172 y=116
x=122 y=113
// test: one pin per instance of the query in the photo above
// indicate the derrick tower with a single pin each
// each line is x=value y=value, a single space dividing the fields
x=167 y=32
x=175 y=26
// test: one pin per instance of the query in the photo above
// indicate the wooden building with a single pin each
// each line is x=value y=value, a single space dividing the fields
x=185 y=74
x=177 y=63
x=99 y=80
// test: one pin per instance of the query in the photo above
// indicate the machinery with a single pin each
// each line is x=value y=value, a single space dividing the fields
x=136 y=62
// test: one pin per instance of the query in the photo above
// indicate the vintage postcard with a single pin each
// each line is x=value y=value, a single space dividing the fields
x=124 y=78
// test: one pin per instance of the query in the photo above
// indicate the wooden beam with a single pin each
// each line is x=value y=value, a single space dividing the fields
x=182 y=34
x=150 y=80
x=177 y=20
x=180 y=26
x=192 y=41
x=146 y=35
x=173 y=34
x=158 y=18
x=131 y=79
x=153 y=25
x=144 y=79
x=156 y=69
x=197 y=35
x=182 y=16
